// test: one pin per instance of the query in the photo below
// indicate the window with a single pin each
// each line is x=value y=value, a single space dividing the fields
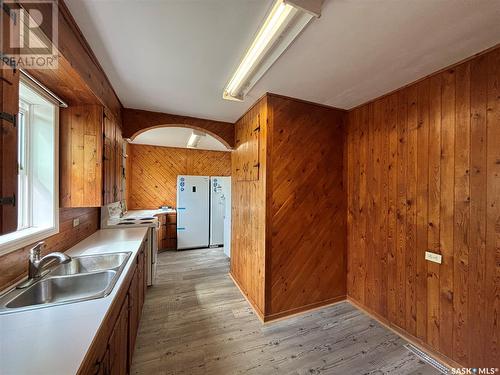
x=37 y=198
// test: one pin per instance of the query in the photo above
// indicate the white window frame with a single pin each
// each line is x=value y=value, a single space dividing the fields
x=16 y=240
x=24 y=108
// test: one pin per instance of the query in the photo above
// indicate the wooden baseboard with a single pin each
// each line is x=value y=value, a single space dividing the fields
x=448 y=362
x=303 y=309
x=266 y=319
x=257 y=311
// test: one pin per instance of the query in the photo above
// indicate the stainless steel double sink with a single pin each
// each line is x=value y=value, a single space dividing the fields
x=83 y=278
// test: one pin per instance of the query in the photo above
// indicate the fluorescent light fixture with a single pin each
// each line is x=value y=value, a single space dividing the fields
x=284 y=22
x=194 y=139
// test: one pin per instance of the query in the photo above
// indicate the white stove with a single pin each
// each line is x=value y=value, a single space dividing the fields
x=112 y=216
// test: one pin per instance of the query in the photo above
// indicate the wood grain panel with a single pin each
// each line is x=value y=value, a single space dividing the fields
x=307 y=203
x=446 y=201
x=153 y=170
x=14 y=266
x=9 y=104
x=79 y=77
x=288 y=249
x=248 y=242
x=246 y=160
x=492 y=273
x=81 y=156
x=136 y=121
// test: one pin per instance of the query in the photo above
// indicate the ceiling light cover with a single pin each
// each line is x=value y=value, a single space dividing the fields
x=194 y=139
x=282 y=25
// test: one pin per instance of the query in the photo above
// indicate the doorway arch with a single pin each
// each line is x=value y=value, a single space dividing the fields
x=137 y=121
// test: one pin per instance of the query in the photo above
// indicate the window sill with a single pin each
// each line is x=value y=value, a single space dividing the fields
x=19 y=239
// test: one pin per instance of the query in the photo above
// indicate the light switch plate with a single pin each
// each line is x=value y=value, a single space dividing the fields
x=433 y=257
x=76 y=222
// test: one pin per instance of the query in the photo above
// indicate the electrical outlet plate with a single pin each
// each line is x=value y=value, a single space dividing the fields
x=76 y=222
x=433 y=257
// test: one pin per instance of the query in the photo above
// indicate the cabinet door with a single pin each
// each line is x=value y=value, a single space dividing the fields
x=246 y=161
x=103 y=366
x=81 y=156
x=133 y=322
x=118 y=173
x=171 y=235
x=144 y=285
x=162 y=230
x=141 y=280
x=109 y=160
x=118 y=344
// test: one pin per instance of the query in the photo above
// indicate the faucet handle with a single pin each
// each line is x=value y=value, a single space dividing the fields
x=37 y=249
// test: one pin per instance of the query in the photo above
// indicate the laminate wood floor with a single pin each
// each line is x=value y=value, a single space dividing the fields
x=195 y=321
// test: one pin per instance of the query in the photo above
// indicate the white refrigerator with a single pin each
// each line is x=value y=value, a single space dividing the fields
x=193 y=212
x=220 y=205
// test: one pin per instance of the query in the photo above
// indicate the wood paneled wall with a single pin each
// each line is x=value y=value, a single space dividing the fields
x=248 y=200
x=306 y=247
x=288 y=250
x=14 y=266
x=424 y=174
x=153 y=170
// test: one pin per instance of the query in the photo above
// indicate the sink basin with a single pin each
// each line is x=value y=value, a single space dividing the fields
x=83 y=278
x=65 y=289
x=91 y=263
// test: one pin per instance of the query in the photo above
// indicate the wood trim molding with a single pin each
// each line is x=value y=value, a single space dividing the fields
x=254 y=307
x=448 y=362
x=137 y=121
x=303 y=309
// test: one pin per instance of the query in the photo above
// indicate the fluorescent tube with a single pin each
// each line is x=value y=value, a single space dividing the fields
x=282 y=25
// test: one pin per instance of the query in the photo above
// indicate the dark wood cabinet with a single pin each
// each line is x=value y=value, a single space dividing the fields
x=112 y=349
x=112 y=160
x=133 y=322
x=167 y=236
x=102 y=367
x=136 y=295
x=142 y=282
x=117 y=346
x=119 y=165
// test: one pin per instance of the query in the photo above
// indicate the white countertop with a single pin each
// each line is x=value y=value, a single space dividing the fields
x=132 y=213
x=55 y=340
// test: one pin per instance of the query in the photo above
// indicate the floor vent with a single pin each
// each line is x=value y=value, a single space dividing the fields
x=428 y=359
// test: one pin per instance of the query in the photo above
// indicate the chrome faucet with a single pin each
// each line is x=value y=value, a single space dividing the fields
x=36 y=264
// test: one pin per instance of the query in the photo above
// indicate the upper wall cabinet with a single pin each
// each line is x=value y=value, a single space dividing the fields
x=81 y=156
x=113 y=160
x=247 y=143
x=90 y=157
x=109 y=159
